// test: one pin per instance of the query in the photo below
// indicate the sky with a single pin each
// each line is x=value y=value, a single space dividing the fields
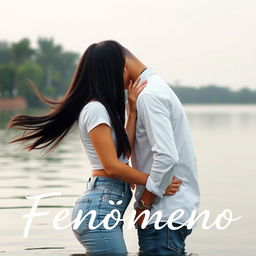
x=187 y=42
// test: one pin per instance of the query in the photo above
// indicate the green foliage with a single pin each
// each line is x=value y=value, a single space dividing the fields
x=49 y=67
x=5 y=53
x=7 y=72
x=214 y=95
x=34 y=72
x=21 y=51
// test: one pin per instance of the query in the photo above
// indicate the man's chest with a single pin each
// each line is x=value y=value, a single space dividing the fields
x=140 y=132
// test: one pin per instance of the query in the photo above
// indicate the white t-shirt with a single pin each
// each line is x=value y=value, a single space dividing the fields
x=93 y=114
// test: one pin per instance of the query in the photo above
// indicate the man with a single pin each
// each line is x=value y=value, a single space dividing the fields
x=163 y=147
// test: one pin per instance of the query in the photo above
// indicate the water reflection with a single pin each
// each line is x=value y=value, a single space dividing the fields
x=219 y=117
x=44 y=248
x=225 y=142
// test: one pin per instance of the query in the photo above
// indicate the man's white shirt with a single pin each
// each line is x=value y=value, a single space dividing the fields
x=163 y=148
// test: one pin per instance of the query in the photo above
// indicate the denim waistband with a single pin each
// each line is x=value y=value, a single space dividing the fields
x=106 y=182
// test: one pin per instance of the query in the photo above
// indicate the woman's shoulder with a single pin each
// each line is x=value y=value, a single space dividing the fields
x=93 y=103
x=93 y=106
x=93 y=112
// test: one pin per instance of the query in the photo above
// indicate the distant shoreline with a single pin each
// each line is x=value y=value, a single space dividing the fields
x=213 y=94
x=20 y=104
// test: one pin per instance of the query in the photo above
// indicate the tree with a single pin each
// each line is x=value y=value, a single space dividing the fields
x=245 y=95
x=34 y=72
x=5 y=53
x=48 y=67
x=21 y=52
x=7 y=72
x=65 y=64
x=46 y=56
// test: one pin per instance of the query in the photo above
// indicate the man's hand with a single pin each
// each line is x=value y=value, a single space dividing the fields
x=174 y=187
x=138 y=212
x=148 y=197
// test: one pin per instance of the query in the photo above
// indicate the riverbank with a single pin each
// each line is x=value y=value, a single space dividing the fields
x=18 y=103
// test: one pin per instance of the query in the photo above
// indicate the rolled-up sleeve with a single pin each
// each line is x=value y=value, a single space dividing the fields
x=156 y=119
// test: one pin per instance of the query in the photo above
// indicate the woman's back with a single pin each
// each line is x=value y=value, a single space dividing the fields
x=93 y=114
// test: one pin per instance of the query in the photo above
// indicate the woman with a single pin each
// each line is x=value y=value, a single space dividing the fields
x=95 y=100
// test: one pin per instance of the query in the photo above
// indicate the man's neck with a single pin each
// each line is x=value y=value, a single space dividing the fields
x=138 y=72
x=142 y=71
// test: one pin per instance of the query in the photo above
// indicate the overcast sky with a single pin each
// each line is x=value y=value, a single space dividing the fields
x=195 y=42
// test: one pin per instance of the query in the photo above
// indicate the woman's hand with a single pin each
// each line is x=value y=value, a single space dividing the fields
x=132 y=186
x=173 y=187
x=133 y=91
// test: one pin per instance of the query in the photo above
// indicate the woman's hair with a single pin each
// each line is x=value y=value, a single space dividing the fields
x=99 y=75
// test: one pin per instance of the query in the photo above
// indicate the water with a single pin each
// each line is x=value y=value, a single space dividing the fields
x=225 y=142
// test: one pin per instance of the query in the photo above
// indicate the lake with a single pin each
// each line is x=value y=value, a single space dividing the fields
x=225 y=144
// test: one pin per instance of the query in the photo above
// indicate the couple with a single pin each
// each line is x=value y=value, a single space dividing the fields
x=156 y=136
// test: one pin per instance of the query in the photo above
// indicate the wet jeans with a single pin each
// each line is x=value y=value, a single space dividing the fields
x=103 y=195
x=164 y=241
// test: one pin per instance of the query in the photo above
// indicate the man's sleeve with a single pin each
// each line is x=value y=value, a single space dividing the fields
x=155 y=116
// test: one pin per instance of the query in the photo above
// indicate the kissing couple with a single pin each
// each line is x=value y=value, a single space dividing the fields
x=124 y=110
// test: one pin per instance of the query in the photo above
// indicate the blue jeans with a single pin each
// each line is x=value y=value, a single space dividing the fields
x=165 y=241
x=103 y=194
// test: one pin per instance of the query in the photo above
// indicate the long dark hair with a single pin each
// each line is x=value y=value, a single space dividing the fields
x=99 y=75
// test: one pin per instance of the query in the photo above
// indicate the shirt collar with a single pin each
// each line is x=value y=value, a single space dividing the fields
x=146 y=73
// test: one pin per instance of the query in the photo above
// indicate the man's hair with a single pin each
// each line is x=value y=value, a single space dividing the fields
x=128 y=53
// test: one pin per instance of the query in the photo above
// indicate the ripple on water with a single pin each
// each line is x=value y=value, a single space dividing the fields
x=44 y=248
x=67 y=169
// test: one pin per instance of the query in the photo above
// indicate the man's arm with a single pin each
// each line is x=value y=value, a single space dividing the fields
x=156 y=119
